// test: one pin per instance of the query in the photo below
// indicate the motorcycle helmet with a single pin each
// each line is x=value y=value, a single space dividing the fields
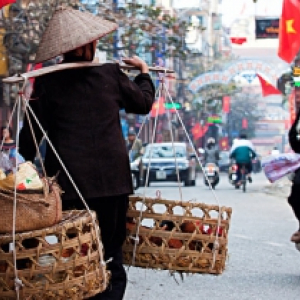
x=132 y=132
x=211 y=141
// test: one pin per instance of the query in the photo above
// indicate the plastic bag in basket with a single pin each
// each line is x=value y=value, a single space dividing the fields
x=28 y=177
x=13 y=157
x=5 y=163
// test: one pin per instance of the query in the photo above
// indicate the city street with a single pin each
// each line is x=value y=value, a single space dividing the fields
x=262 y=264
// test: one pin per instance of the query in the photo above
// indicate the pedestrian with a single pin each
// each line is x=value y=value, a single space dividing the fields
x=134 y=145
x=6 y=138
x=9 y=150
x=79 y=109
x=293 y=199
x=275 y=151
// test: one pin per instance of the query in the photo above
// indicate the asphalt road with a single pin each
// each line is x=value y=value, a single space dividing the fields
x=263 y=264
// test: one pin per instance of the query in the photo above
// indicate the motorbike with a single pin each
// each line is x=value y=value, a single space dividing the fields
x=232 y=174
x=211 y=170
x=135 y=173
x=212 y=174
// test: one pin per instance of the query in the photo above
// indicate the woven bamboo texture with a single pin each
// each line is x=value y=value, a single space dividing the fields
x=67 y=269
x=35 y=209
x=188 y=247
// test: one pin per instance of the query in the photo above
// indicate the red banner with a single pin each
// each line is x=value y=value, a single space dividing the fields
x=287 y=124
x=292 y=108
x=245 y=123
x=226 y=104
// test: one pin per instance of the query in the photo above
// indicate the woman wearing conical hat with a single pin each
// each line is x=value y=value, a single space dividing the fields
x=79 y=108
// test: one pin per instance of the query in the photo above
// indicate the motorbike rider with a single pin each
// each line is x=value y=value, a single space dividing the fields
x=242 y=151
x=211 y=154
x=133 y=144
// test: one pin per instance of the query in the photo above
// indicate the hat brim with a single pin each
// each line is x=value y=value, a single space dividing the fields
x=69 y=29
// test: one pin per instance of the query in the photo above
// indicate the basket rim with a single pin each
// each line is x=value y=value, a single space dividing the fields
x=192 y=204
x=70 y=219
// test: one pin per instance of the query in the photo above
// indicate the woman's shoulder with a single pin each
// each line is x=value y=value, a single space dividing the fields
x=79 y=70
x=108 y=67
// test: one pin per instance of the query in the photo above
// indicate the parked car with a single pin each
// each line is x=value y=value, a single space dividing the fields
x=162 y=162
x=224 y=162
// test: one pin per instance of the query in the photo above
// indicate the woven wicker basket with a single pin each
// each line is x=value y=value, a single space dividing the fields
x=69 y=268
x=35 y=209
x=188 y=247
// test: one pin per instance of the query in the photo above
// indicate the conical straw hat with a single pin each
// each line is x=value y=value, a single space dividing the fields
x=69 y=29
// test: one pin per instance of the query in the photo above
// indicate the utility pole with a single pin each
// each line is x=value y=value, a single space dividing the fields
x=211 y=33
x=116 y=33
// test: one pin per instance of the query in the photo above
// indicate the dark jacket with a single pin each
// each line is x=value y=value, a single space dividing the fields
x=211 y=155
x=79 y=109
x=294 y=136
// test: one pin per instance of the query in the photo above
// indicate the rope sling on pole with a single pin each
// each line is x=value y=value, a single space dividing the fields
x=163 y=92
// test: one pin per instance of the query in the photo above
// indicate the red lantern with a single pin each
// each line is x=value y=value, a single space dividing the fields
x=226 y=104
x=245 y=123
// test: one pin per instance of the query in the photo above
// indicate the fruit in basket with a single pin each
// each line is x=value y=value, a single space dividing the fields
x=190 y=227
x=175 y=244
x=84 y=249
x=65 y=253
x=3 y=266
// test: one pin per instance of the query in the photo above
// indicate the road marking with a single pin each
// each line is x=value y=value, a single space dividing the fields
x=274 y=244
x=243 y=236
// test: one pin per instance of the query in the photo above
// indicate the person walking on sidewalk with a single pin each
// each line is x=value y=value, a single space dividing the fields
x=293 y=199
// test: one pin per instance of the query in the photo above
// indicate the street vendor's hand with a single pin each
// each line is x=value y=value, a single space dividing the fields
x=137 y=62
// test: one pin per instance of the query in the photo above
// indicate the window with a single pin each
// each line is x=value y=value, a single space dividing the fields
x=164 y=151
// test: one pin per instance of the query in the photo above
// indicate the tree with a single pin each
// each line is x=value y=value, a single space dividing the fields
x=243 y=106
x=139 y=26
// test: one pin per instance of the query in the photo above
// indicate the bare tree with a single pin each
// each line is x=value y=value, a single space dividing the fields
x=139 y=26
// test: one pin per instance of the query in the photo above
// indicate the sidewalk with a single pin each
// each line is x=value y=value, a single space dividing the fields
x=280 y=188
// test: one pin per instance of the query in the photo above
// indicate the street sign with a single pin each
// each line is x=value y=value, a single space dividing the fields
x=214 y=120
x=296 y=81
x=173 y=105
x=296 y=71
x=234 y=134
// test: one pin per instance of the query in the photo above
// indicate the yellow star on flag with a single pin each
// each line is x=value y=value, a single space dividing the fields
x=289 y=26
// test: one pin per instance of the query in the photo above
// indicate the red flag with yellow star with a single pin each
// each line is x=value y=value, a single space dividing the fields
x=158 y=105
x=267 y=88
x=198 y=131
x=289 y=30
x=224 y=143
x=6 y=2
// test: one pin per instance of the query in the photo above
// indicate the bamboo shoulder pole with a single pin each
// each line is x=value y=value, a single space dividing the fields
x=59 y=67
